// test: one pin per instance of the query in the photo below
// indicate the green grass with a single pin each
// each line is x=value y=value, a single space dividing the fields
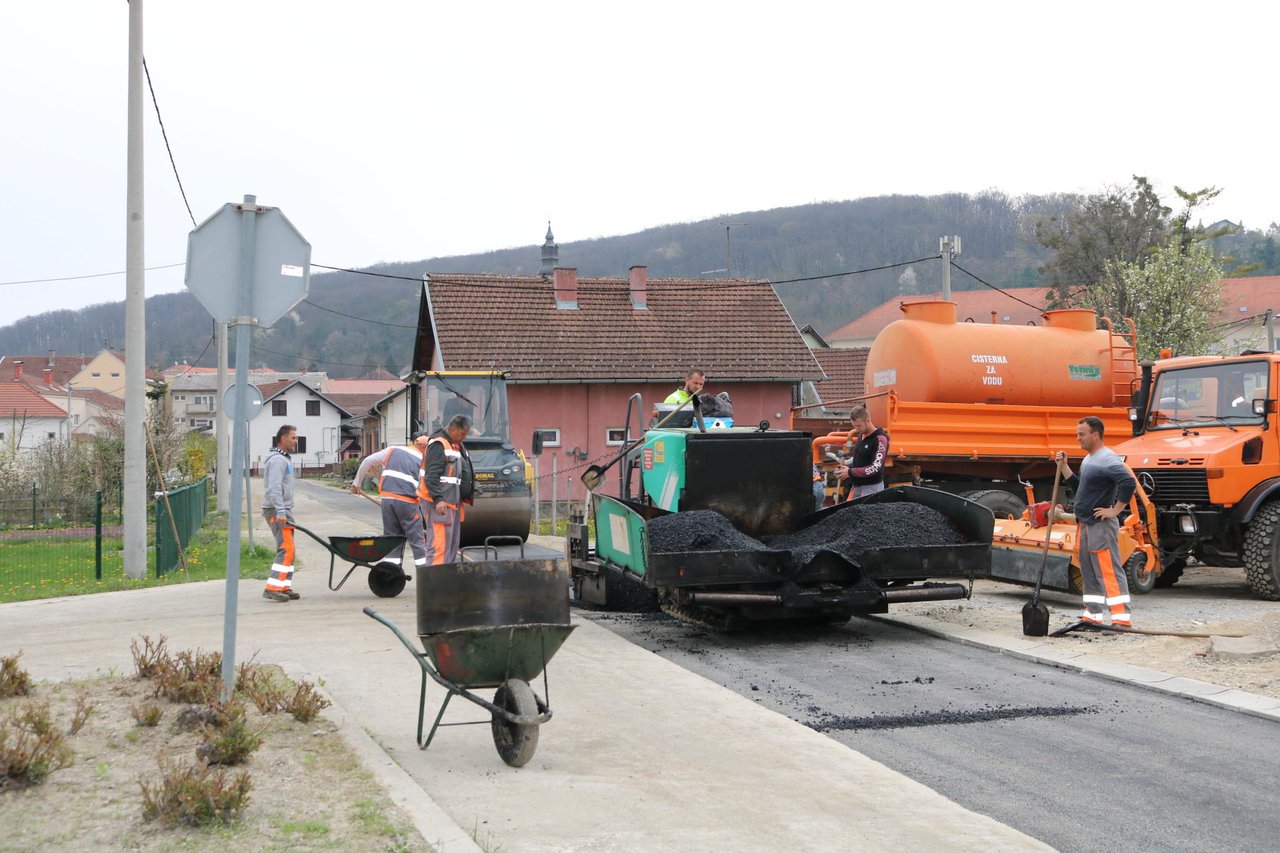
x=31 y=568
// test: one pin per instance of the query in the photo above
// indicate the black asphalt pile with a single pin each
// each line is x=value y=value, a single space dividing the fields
x=860 y=528
x=699 y=530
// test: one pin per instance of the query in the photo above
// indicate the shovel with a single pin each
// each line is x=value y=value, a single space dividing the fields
x=1035 y=616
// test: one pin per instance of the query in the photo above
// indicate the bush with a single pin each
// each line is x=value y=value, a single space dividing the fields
x=195 y=796
x=83 y=711
x=30 y=747
x=146 y=713
x=267 y=695
x=306 y=703
x=152 y=658
x=14 y=680
x=192 y=677
x=228 y=740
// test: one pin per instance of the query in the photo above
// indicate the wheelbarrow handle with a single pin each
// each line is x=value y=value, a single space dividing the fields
x=408 y=644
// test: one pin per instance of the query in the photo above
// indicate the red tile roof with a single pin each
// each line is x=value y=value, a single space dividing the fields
x=845 y=369
x=358 y=405
x=64 y=367
x=975 y=304
x=17 y=400
x=1246 y=297
x=733 y=330
x=99 y=398
x=270 y=389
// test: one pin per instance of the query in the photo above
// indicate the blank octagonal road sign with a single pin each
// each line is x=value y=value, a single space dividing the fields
x=281 y=265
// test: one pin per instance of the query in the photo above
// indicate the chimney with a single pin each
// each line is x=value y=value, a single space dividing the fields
x=566 y=286
x=638 y=276
x=17 y=371
x=51 y=361
x=48 y=375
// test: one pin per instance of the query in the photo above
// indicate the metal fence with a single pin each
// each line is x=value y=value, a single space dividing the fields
x=49 y=542
x=179 y=516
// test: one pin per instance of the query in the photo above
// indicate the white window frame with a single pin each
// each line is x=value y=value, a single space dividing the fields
x=548 y=440
x=621 y=439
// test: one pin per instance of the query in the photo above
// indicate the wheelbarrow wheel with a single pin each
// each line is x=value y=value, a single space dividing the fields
x=386 y=584
x=516 y=743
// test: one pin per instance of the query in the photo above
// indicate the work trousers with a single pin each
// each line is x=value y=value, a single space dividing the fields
x=863 y=491
x=281 y=577
x=444 y=532
x=402 y=518
x=1105 y=586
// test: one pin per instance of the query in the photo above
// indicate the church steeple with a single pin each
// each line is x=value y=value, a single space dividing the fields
x=550 y=253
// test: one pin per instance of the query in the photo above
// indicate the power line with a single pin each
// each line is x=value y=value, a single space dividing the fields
x=81 y=277
x=165 y=135
x=996 y=289
x=316 y=360
x=354 y=317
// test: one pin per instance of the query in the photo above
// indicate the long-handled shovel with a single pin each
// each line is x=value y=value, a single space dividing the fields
x=1035 y=616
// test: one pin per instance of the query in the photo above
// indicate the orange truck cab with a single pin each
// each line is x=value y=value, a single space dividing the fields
x=1206 y=448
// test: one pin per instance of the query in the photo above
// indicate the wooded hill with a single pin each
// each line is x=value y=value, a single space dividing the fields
x=780 y=244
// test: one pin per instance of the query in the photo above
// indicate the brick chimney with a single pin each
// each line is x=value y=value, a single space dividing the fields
x=48 y=375
x=17 y=371
x=639 y=277
x=566 y=285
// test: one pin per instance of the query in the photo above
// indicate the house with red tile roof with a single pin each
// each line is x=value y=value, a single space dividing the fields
x=51 y=369
x=576 y=348
x=27 y=420
x=1246 y=303
x=317 y=418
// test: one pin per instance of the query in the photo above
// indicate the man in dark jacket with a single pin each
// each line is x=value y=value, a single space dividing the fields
x=447 y=483
x=868 y=446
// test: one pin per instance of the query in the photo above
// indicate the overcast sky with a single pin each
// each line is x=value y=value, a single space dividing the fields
x=393 y=131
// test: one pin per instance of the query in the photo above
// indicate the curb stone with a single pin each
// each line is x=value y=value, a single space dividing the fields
x=1229 y=698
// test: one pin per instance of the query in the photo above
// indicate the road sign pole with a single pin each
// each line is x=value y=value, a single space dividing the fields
x=239 y=438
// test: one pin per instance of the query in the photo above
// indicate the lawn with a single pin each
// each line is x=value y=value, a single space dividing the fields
x=48 y=567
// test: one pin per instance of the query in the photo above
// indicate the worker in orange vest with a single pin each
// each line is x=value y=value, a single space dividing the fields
x=399 y=488
x=447 y=483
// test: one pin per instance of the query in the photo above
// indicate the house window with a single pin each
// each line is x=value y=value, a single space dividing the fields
x=180 y=398
x=313 y=408
x=50 y=436
x=550 y=437
x=115 y=375
x=96 y=375
x=302 y=445
x=280 y=408
x=615 y=436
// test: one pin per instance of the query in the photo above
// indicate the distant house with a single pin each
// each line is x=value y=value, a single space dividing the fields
x=577 y=348
x=105 y=372
x=89 y=409
x=1247 y=303
x=845 y=369
x=27 y=420
x=193 y=391
x=318 y=420
x=48 y=370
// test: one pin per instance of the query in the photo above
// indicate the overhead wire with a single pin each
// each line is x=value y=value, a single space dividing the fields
x=165 y=135
x=996 y=289
x=90 y=275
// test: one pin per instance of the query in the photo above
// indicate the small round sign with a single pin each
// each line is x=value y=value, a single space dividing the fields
x=252 y=396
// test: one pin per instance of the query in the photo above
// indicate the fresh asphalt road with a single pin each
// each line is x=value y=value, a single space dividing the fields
x=1076 y=761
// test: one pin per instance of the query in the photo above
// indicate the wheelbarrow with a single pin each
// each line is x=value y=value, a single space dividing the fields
x=385 y=580
x=490 y=623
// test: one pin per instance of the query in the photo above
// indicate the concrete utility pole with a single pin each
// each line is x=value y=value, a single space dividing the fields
x=135 y=322
x=222 y=473
x=948 y=247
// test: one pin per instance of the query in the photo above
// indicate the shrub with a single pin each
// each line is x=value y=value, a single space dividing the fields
x=267 y=695
x=193 y=795
x=228 y=740
x=151 y=658
x=30 y=747
x=192 y=677
x=83 y=711
x=306 y=703
x=14 y=680
x=146 y=713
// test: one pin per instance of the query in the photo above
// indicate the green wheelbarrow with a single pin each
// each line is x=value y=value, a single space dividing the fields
x=490 y=624
x=385 y=581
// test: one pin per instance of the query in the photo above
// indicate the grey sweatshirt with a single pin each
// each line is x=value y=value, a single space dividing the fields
x=1102 y=481
x=277 y=482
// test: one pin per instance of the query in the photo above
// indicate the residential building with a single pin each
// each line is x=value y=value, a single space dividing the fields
x=27 y=420
x=317 y=418
x=576 y=349
x=105 y=372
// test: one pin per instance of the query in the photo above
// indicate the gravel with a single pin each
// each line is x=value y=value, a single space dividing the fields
x=698 y=530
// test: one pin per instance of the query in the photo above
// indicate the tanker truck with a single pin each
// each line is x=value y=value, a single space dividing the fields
x=977 y=409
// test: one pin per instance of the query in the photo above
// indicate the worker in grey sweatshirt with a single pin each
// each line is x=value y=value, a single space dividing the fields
x=277 y=509
x=1103 y=489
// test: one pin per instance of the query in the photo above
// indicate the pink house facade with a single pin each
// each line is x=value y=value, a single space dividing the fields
x=575 y=350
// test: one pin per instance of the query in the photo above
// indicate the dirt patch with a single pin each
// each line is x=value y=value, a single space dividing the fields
x=309 y=790
x=1206 y=600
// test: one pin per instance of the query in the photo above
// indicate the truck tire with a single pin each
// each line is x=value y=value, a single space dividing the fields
x=1262 y=552
x=1001 y=503
x=1172 y=571
x=1142 y=579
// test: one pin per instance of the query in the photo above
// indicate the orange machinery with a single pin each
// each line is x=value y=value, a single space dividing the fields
x=978 y=408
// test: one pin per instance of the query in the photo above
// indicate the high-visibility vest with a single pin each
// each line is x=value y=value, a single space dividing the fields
x=451 y=479
x=401 y=474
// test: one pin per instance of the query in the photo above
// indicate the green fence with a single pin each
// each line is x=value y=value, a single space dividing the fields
x=175 y=530
x=48 y=542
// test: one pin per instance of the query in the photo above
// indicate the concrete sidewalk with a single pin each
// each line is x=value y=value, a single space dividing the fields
x=641 y=754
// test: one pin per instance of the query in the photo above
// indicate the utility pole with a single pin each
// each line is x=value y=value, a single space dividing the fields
x=728 y=255
x=223 y=471
x=135 y=322
x=948 y=247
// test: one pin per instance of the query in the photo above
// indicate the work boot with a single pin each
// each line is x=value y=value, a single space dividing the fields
x=272 y=595
x=293 y=596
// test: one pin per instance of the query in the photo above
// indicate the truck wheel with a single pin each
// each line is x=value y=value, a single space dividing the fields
x=1172 y=571
x=1262 y=552
x=1001 y=503
x=1142 y=578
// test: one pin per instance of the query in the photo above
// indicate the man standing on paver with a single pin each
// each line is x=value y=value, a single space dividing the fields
x=277 y=509
x=449 y=483
x=1103 y=489
x=400 y=488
